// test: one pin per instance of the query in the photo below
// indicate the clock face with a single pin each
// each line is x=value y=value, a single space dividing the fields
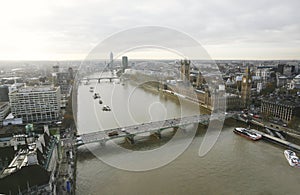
x=249 y=81
x=244 y=81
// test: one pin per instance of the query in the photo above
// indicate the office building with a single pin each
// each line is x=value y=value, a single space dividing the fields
x=36 y=104
x=111 y=59
x=280 y=108
x=124 y=62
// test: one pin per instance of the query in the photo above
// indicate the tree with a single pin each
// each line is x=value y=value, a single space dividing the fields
x=268 y=89
x=294 y=123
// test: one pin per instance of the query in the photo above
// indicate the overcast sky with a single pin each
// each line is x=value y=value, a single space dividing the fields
x=228 y=29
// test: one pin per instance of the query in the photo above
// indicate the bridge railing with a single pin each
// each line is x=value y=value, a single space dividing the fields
x=154 y=126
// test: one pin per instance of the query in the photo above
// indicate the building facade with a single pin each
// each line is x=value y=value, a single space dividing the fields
x=63 y=81
x=124 y=63
x=111 y=59
x=36 y=104
x=280 y=109
x=263 y=73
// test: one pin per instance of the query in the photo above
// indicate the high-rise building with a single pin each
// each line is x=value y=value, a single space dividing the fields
x=111 y=59
x=246 y=87
x=124 y=62
x=280 y=68
x=36 y=104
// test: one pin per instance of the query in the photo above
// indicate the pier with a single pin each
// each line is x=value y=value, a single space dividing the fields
x=278 y=141
x=274 y=135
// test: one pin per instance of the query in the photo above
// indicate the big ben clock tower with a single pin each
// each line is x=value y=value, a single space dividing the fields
x=246 y=88
x=185 y=70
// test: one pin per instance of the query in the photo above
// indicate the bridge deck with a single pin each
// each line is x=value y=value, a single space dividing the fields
x=103 y=136
x=99 y=78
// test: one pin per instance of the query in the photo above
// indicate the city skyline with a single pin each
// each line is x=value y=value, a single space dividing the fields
x=262 y=30
x=155 y=97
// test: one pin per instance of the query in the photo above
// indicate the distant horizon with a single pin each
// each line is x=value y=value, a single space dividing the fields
x=78 y=60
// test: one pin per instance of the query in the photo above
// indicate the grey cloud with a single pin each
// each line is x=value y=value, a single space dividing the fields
x=81 y=24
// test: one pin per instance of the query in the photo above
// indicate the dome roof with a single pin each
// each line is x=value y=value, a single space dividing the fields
x=297 y=77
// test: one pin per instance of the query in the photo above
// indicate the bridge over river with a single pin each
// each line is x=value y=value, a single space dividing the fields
x=110 y=78
x=154 y=128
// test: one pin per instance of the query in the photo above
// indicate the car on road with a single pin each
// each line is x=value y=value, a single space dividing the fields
x=113 y=133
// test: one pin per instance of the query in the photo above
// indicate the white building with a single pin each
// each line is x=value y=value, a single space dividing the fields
x=11 y=120
x=281 y=80
x=14 y=141
x=295 y=84
x=36 y=104
x=263 y=73
x=259 y=87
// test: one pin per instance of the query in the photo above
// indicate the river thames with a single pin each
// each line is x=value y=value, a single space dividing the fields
x=233 y=166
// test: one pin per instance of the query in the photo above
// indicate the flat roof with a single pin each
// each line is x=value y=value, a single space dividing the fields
x=281 y=101
x=37 y=89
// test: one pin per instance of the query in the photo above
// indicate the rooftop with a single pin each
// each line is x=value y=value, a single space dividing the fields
x=19 y=161
x=283 y=100
x=36 y=153
x=37 y=89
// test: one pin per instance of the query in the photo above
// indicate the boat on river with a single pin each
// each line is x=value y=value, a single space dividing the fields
x=106 y=108
x=96 y=95
x=292 y=158
x=247 y=133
